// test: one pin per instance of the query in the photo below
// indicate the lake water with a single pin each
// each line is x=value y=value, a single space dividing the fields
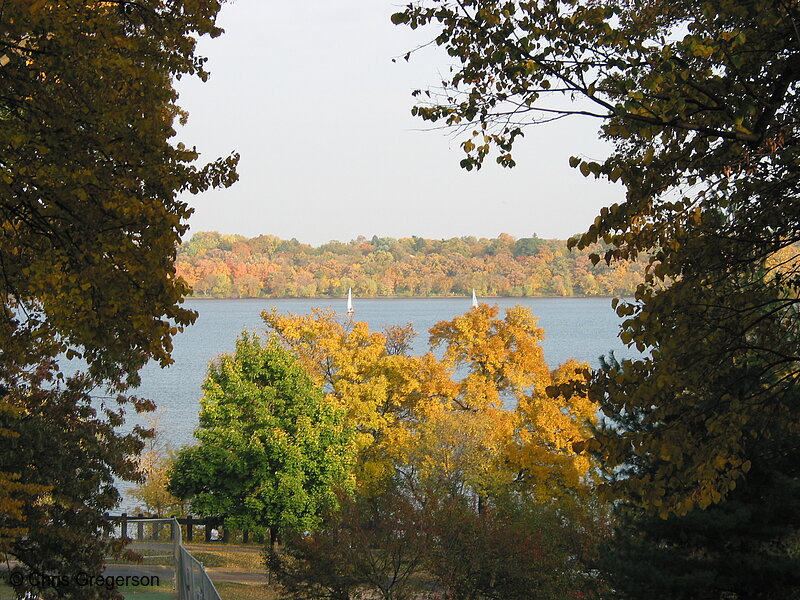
x=582 y=328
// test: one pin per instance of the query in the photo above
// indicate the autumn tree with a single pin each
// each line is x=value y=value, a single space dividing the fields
x=90 y=177
x=471 y=444
x=501 y=358
x=392 y=546
x=407 y=409
x=368 y=545
x=67 y=441
x=155 y=462
x=153 y=492
x=364 y=373
x=502 y=365
x=515 y=549
x=699 y=104
x=272 y=450
x=90 y=219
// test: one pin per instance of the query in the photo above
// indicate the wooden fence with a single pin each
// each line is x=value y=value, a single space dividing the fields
x=129 y=524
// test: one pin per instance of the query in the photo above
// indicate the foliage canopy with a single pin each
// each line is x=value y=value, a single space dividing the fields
x=272 y=451
x=89 y=178
x=479 y=419
x=699 y=102
x=90 y=220
x=224 y=266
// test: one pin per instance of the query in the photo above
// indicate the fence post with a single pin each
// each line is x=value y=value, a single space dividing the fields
x=140 y=528
x=225 y=534
x=189 y=527
x=124 y=525
x=208 y=528
x=245 y=536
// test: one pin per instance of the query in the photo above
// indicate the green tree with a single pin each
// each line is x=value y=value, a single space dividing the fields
x=527 y=246
x=700 y=104
x=745 y=546
x=272 y=451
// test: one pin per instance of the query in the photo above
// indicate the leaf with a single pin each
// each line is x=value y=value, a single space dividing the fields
x=399 y=18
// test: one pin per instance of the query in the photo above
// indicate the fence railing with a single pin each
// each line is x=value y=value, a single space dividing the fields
x=191 y=580
x=135 y=527
x=193 y=583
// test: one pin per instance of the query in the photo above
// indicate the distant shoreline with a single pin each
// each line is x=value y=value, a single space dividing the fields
x=342 y=298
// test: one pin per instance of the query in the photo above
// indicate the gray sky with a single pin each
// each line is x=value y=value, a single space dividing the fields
x=306 y=92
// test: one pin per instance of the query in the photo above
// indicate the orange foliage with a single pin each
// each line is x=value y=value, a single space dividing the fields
x=229 y=266
x=480 y=416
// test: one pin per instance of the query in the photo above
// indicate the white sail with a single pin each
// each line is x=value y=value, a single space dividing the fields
x=350 y=310
x=474 y=299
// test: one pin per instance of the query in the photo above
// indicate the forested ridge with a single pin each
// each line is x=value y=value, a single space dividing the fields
x=233 y=266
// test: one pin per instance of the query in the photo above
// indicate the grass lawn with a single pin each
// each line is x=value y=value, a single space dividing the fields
x=246 y=591
x=230 y=557
x=149 y=557
x=161 y=592
x=236 y=557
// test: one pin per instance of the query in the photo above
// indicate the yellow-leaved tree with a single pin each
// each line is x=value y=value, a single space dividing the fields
x=479 y=417
x=466 y=475
x=365 y=373
x=503 y=365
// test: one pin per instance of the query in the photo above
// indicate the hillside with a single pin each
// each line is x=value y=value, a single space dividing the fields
x=232 y=266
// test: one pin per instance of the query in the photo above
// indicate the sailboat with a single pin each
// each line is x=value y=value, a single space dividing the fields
x=474 y=299
x=350 y=310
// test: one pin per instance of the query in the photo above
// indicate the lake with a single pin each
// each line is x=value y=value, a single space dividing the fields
x=582 y=328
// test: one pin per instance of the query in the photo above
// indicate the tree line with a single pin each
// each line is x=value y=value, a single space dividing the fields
x=232 y=266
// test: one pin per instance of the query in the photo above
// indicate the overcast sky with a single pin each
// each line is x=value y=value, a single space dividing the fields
x=308 y=94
